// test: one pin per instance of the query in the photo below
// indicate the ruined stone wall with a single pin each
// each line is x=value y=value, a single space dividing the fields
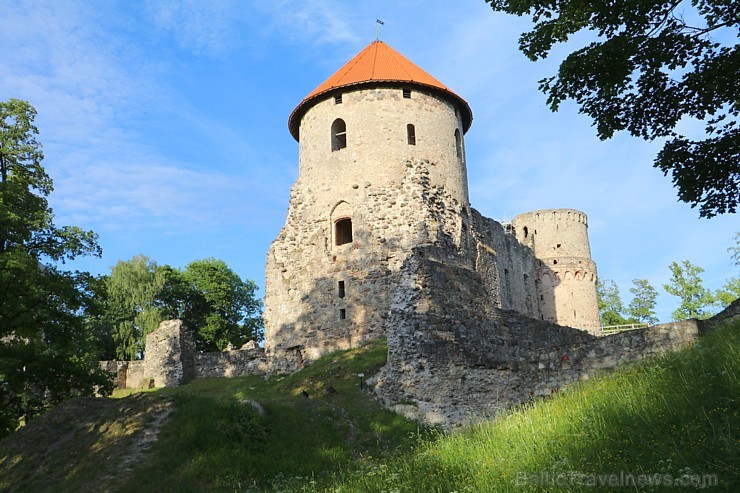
x=514 y=266
x=235 y=363
x=170 y=360
x=304 y=303
x=460 y=357
x=306 y=315
x=170 y=355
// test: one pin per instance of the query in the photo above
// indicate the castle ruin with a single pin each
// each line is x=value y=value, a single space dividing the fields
x=382 y=180
x=380 y=241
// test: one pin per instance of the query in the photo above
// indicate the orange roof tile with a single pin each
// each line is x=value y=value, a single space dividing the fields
x=378 y=62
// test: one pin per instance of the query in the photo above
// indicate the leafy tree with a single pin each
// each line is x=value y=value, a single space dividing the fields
x=735 y=250
x=221 y=306
x=728 y=293
x=688 y=286
x=46 y=353
x=610 y=303
x=213 y=301
x=651 y=64
x=133 y=288
x=724 y=296
x=642 y=306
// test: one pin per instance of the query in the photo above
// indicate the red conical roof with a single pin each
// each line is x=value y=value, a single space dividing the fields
x=378 y=62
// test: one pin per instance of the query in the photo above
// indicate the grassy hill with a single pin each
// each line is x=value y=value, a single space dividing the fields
x=671 y=424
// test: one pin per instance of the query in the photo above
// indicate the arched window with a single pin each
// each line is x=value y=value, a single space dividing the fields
x=338 y=135
x=343 y=231
x=458 y=143
x=526 y=231
x=411 y=134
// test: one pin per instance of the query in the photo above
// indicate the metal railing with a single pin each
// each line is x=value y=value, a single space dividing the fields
x=613 y=329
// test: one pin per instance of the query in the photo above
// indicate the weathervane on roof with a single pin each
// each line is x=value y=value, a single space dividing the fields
x=378 y=22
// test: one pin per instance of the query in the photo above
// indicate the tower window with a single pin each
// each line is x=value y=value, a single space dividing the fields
x=458 y=143
x=340 y=289
x=343 y=231
x=338 y=135
x=342 y=314
x=411 y=134
x=338 y=99
x=407 y=93
x=526 y=232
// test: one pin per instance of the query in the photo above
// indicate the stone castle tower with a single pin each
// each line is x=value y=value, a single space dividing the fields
x=565 y=275
x=382 y=185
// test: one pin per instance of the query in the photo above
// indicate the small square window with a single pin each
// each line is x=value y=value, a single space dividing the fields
x=338 y=99
x=407 y=93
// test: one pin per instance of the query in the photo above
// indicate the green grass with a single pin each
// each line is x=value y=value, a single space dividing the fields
x=675 y=415
x=214 y=441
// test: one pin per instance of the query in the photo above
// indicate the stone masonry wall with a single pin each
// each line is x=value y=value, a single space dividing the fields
x=235 y=363
x=459 y=358
x=377 y=142
x=170 y=355
x=170 y=360
x=303 y=303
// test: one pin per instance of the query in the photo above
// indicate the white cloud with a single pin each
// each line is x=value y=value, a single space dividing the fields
x=203 y=27
x=317 y=21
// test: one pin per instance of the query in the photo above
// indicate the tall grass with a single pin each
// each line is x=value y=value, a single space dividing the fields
x=216 y=440
x=670 y=424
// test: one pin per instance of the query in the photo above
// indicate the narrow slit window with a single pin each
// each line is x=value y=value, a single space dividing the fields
x=340 y=289
x=342 y=314
x=407 y=93
x=458 y=143
x=411 y=134
x=343 y=231
x=338 y=99
x=338 y=135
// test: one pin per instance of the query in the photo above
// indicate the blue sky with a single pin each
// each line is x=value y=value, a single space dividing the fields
x=164 y=127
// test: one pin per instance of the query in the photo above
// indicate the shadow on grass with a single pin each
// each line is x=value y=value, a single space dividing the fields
x=249 y=433
x=668 y=424
x=82 y=444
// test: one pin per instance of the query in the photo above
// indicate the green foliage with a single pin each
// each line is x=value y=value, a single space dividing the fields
x=642 y=306
x=132 y=288
x=610 y=303
x=688 y=286
x=46 y=353
x=213 y=301
x=724 y=296
x=735 y=250
x=651 y=64
x=223 y=307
